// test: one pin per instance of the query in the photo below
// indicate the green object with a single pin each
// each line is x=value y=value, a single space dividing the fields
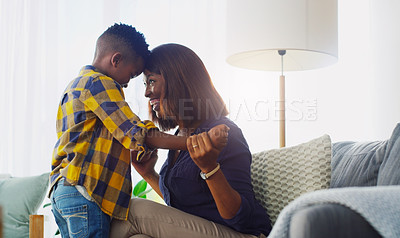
x=19 y=198
x=139 y=190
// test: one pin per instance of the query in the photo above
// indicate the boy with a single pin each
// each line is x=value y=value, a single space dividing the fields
x=96 y=129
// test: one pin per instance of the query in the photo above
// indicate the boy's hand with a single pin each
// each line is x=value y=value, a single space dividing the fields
x=219 y=136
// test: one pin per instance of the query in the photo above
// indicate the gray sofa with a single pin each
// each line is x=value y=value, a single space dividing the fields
x=363 y=199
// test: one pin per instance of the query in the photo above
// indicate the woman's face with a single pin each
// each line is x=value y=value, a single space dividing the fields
x=155 y=86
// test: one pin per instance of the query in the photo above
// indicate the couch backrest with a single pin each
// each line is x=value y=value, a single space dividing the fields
x=366 y=163
x=389 y=172
x=356 y=163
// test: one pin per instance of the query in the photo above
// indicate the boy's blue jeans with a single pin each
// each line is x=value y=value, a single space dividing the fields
x=75 y=215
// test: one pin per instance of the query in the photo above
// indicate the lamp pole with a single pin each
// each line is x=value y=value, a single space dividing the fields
x=282 y=101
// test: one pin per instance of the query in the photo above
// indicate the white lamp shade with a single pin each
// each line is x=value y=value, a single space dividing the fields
x=306 y=29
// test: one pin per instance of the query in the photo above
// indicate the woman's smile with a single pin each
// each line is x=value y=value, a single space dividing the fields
x=155 y=103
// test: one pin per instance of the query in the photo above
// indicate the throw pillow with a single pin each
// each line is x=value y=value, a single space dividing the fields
x=389 y=172
x=19 y=198
x=281 y=175
x=356 y=163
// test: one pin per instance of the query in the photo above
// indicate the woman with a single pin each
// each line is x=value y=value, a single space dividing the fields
x=208 y=190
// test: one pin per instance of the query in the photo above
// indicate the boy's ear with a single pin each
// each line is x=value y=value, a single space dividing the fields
x=116 y=59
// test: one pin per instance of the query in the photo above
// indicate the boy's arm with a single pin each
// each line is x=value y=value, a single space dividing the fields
x=157 y=139
x=107 y=102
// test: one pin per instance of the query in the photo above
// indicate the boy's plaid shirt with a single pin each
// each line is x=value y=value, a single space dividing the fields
x=95 y=130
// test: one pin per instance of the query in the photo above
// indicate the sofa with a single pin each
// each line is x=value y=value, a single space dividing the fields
x=314 y=189
x=358 y=195
x=21 y=202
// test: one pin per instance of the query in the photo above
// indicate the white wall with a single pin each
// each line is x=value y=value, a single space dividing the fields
x=385 y=38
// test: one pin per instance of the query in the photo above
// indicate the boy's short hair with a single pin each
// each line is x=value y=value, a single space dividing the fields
x=122 y=38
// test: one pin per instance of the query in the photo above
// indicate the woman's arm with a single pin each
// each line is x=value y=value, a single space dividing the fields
x=228 y=200
x=146 y=169
x=153 y=179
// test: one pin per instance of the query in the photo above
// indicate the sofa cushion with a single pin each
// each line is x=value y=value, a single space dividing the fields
x=19 y=198
x=281 y=175
x=356 y=163
x=389 y=172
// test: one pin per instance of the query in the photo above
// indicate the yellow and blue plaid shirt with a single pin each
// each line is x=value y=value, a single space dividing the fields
x=96 y=130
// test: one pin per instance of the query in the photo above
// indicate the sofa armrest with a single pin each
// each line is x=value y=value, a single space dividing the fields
x=36 y=226
x=329 y=220
x=379 y=205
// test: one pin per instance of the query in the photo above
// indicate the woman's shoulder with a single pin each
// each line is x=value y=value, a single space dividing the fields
x=223 y=120
x=235 y=133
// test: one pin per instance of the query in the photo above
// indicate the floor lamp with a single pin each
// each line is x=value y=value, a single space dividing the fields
x=282 y=35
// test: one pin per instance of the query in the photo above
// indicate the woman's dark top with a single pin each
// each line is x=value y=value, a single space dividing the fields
x=184 y=189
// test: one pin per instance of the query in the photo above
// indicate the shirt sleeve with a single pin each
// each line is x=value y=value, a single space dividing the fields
x=105 y=99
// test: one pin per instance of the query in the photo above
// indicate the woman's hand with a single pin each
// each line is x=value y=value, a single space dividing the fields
x=202 y=151
x=219 y=136
x=146 y=166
